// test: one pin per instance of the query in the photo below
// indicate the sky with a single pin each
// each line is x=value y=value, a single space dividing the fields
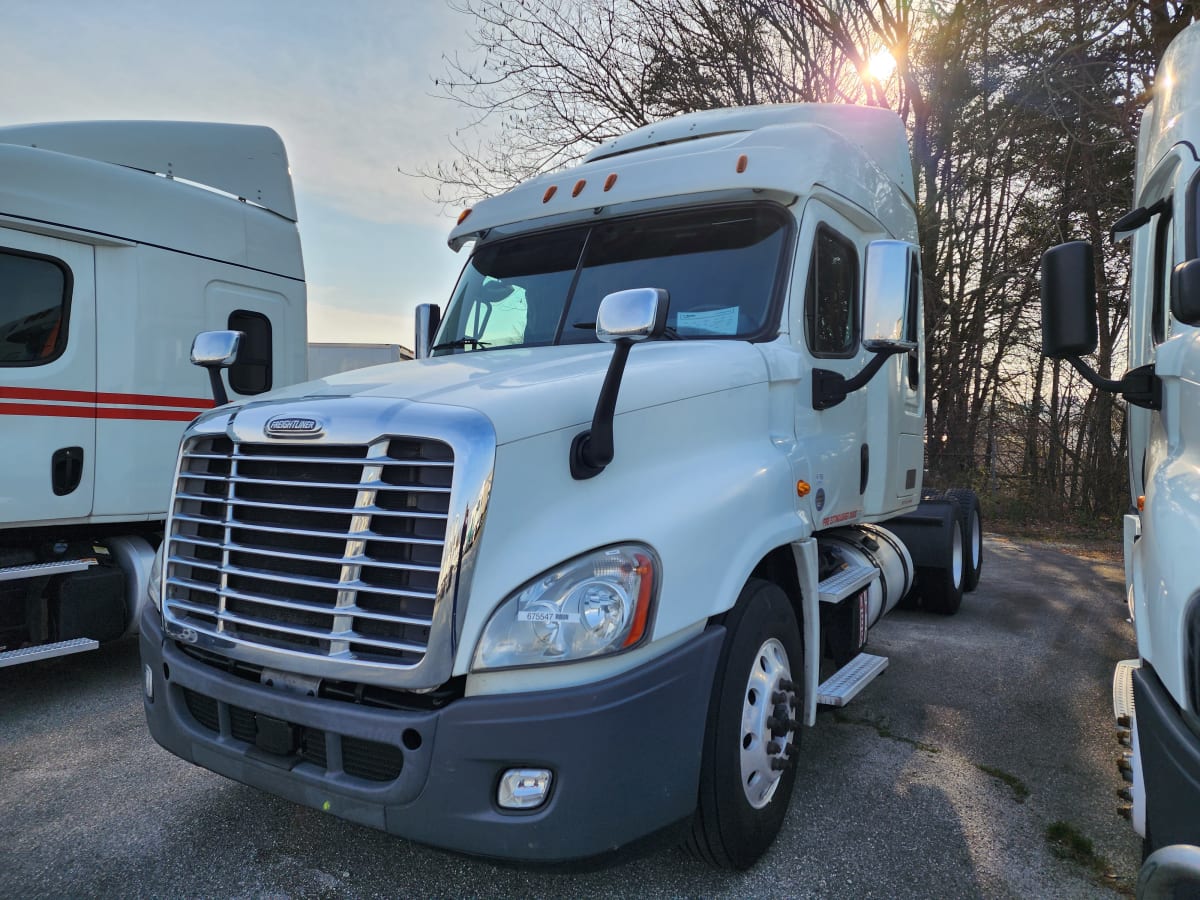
x=347 y=84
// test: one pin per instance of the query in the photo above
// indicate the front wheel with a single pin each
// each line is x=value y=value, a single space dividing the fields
x=752 y=738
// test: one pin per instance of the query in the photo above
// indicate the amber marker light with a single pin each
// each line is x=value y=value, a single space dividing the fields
x=802 y=488
x=646 y=572
x=1142 y=503
x=610 y=181
x=578 y=187
x=462 y=216
x=550 y=191
x=742 y=162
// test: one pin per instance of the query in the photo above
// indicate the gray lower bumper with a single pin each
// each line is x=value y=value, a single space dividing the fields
x=1170 y=763
x=625 y=752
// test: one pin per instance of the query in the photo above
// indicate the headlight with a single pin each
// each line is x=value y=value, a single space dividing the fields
x=154 y=585
x=595 y=604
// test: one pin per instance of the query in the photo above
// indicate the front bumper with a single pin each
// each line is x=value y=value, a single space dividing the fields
x=1170 y=757
x=625 y=752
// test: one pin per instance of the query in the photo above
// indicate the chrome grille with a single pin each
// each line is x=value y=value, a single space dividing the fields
x=324 y=550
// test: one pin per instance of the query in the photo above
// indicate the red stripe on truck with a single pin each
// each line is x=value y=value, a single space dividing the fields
x=12 y=393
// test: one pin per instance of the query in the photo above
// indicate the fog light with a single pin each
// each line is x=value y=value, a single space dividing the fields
x=148 y=682
x=524 y=788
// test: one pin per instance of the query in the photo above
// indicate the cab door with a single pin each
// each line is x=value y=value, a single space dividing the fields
x=47 y=378
x=827 y=329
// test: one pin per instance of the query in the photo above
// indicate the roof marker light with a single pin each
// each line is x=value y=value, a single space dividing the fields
x=550 y=191
x=462 y=216
x=742 y=162
x=578 y=187
x=610 y=181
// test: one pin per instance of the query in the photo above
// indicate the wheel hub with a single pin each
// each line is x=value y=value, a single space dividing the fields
x=768 y=734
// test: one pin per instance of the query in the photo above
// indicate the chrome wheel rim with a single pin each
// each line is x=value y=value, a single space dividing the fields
x=768 y=733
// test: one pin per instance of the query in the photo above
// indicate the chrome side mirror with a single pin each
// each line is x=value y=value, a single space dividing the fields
x=624 y=319
x=632 y=315
x=886 y=296
x=216 y=350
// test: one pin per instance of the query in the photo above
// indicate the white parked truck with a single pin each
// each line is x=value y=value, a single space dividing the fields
x=119 y=241
x=1157 y=696
x=541 y=593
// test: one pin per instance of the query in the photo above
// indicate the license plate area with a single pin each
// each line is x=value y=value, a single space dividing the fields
x=275 y=736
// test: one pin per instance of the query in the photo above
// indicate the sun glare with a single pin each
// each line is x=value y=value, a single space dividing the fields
x=881 y=65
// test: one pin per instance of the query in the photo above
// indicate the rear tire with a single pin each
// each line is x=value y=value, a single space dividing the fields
x=748 y=765
x=942 y=587
x=968 y=502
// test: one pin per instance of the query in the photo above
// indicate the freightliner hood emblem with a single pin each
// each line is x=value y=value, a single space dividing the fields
x=294 y=427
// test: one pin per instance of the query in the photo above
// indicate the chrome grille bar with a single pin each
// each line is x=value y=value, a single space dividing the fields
x=293 y=548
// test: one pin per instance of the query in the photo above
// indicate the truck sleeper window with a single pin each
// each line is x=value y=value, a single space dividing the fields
x=33 y=308
x=720 y=266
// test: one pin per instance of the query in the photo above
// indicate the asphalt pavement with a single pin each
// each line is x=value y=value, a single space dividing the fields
x=981 y=764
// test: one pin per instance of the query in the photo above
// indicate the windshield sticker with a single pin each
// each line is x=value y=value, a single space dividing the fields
x=711 y=321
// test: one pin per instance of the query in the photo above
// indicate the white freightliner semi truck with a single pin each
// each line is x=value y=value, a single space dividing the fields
x=1156 y=697
x=119 y=241
x=542 y=593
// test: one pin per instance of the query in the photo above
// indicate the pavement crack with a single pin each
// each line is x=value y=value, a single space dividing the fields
x=884 y=731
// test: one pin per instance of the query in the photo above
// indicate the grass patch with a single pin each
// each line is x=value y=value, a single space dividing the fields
x=1067 y=842
x=1020 y=791
x=884 y=731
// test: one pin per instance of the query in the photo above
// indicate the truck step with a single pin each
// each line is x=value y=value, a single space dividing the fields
x=1123 y=689
x=847 y=582
x=845 y=684
x=46 y=651
x=58 y=567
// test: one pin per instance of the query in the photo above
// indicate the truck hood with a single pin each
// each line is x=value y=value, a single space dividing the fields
x=530 y=391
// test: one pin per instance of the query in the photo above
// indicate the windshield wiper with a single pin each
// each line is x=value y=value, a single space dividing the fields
x=459 y=343
x=668 y=332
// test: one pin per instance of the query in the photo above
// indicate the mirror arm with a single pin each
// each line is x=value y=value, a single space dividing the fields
x=218 y=385
x=593 y=450
x=1140 y=386
x=831 y=388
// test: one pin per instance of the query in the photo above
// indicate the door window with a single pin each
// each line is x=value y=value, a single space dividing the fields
x=831 y=296
x=34 y=299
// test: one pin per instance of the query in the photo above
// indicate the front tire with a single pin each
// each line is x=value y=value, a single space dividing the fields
x=752 y=738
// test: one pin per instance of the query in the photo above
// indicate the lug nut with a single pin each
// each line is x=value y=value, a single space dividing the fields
x=778 y=765
x=774 y=747
x=781 y=698
x=1125 y=794
x=1123 y=737
x=1123 y=721
x=1125 y=812
x=788 y=685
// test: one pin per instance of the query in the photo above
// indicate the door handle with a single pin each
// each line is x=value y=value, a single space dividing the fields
x=66 y=470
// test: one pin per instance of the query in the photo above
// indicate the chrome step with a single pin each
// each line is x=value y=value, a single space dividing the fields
x=46 y=651
x=845 y=583
x=845 y=684
x=58 y=567
x=1123 y=689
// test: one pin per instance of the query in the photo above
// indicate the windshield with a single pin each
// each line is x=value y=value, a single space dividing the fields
x=718 y=264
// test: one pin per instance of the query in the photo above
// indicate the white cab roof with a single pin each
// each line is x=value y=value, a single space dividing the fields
x=1174 y=114
x=109 y=179
x=247 y=161
x=857 y=151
